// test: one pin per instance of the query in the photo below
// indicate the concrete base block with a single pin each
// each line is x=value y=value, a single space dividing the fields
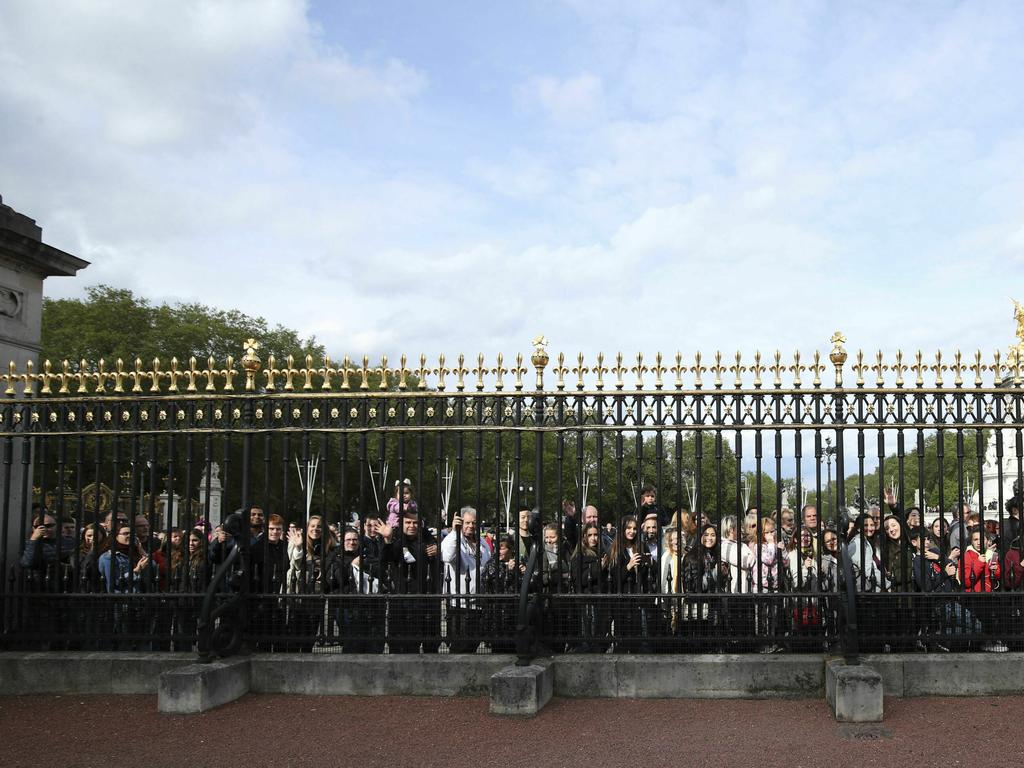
x=854 y=692
x=522 y=690
x=56 y=672
x=201 y=687
x=710 y=676
x=357 y=674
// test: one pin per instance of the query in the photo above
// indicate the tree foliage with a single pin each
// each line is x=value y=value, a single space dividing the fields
x=112 y=323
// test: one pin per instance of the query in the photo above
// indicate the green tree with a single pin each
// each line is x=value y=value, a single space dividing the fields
x=113 y=323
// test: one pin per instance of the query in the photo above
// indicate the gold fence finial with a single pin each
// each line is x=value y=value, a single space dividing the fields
x=540 y=359
x=250 y=363
x=838 y=355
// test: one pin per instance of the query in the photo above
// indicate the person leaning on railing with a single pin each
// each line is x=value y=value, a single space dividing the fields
x=980 y=573
x=935 y=574
x=412 y=569
x=45 y=566
x=705 y=573
x=306 y=576
x=463 y=555
x=502 y=575
x=1013 y=565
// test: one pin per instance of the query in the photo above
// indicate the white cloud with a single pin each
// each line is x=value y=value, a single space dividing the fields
x=572 y=99
x=707 y=178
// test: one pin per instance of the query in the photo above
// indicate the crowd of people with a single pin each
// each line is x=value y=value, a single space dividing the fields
x=672 y=571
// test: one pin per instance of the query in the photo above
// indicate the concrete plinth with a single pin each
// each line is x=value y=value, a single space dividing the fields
x=854 y=692
x=522 y=690
x=370 y=674
x=200 y=687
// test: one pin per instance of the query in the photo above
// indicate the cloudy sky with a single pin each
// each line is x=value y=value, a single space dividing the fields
x=459 y=176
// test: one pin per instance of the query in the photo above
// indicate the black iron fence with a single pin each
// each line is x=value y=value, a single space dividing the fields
x=634 y=507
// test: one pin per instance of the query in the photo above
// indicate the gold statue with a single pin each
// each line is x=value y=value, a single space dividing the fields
x=1018 y=315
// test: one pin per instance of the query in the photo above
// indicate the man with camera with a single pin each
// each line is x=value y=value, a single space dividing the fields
x=464 y=556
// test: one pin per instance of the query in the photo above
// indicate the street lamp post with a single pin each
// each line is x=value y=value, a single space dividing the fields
x=830 y=452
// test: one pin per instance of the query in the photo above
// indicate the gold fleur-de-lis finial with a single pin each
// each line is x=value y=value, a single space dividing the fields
x=938 y=368
x=777 y=368
x=600 y=370
x=580 y=370
x=796 y=369
x=859 y=367
x=499 y=371
x=384 y=372
x=289 y=371
x=403 y=373
x=737 y=368
x=757 y=369
x=307 y=374
x=422 y=372
x=460 y=373
x=817 y=369
x=45 y=377
x=519 y=371
x=560 y=370
x=697 y=369
x=441 y=371
x=678 y=370
x=918 y=368
x=900 y=368
x=619 y=370
x=718 y=369
x=328 y=371
x=879 y=369
x=958 y=369
x=480 y=371
x=658 y=370
x=639 y=370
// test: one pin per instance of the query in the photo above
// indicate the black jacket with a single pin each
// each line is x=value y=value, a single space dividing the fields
x=421 y=576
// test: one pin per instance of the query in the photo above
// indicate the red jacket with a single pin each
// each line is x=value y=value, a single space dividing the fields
x=1013 y=570
x=977 y=575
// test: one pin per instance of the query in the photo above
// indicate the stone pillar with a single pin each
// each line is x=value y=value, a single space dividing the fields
x=215 y=511
x=25 y=262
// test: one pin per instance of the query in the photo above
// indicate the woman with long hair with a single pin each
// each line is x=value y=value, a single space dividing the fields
x=629 y=569
x=629 y=566
x=867 y=564
x=89 y=549
x=766 y=578
x=896 y=556
x=502 y=575
x=588 y=574
x=192 y=581
x=307 y=557
x=704 y=573
x=174 y=555
x=119 y=573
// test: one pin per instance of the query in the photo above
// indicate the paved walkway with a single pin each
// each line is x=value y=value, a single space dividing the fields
x=286 y=731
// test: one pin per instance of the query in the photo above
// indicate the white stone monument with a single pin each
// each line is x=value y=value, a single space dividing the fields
x=215 y=508
x=25 y=262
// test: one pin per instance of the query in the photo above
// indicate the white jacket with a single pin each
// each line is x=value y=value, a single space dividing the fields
x=466 y=564
x=740 y=572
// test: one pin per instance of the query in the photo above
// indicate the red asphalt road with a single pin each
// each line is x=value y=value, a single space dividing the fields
x=127 y=731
